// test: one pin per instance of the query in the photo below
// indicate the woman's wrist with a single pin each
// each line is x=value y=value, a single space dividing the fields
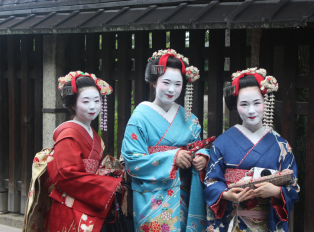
x=278 y=193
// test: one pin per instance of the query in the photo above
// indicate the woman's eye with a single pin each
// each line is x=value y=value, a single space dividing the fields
x=85 y=102
x=97 y=101
x=166 y=83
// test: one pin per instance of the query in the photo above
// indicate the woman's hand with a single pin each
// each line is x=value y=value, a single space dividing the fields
x=238 y=194
x=265 y=190
x=184 y=159
x=199 y=162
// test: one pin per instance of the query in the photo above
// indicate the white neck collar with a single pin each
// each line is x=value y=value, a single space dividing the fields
x=169 y=115
x=253 y=137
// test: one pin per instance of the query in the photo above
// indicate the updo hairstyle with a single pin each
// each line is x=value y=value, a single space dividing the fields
x=244 y=82
x=70 y=100
x=172 y=62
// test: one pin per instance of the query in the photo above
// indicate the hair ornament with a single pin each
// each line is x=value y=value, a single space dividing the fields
x=103 y=87
x=191 y=74
x=267 y=84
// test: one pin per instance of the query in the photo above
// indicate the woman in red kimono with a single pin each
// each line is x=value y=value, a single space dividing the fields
x=81 y=198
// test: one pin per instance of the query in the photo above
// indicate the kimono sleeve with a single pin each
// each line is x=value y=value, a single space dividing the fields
x=215 y=183
x=68 y=173
x=289 y=194
x=140 y=164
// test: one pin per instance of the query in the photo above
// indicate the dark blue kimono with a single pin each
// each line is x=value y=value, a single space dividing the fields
x=271 y=152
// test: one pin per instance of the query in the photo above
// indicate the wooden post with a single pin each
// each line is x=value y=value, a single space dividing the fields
x=92 y=61
x=309 y=197
x=27 y=116
x=4 y=132
x=177 y=42
x=141 y=87
x=215 y=91
x=14 y=124
x=158 y=43
x=108 y=63
x=77 y=48
x=124 y=85
x=197 y=41
x=38 y=93
x=237 y=63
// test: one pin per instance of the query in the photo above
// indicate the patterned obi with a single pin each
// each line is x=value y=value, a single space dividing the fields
x=154 y=149
x=256 y=208
x=91 y=165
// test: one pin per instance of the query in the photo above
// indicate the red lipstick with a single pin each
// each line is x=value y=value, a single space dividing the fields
x=170 y=96
x=91 y=113
x=252 y=117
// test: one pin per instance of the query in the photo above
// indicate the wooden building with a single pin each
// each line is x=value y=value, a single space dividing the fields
x=41 y=40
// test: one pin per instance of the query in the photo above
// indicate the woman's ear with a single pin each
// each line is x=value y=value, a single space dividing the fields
x=73 y=108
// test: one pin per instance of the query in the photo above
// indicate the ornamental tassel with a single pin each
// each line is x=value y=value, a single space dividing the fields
x=103 y=114
x=188 y=101
x=268 y=116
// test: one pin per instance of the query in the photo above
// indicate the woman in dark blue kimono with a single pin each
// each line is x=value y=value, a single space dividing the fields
x=243 y=147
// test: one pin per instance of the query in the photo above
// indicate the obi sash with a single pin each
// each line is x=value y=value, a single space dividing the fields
x=234 y=175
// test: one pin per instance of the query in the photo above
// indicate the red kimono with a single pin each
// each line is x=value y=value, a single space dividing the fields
x=80 y=198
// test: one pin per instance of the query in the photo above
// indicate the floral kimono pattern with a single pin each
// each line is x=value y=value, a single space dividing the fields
x=165 y=198
x=234 y=152
x=79 y=199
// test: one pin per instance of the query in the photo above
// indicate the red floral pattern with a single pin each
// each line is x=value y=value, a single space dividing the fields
x=145 y=228
x=234 y=175
x=169 y=192
x=155 y=226
x=91 y=165
x=134 y=136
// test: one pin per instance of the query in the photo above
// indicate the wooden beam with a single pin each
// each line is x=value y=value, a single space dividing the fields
x=141 y=87
x=142 y=14
x=203 y=11
x=173 y=12
x=196 y=43
x=120 y=12
x=215 y=70
x=14 y=124
x=108 y=63
x=124 y=86
x=309 y=197
x=94 y=15
x=71 y=15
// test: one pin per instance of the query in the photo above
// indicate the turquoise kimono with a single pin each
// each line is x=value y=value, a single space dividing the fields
x=165 y=198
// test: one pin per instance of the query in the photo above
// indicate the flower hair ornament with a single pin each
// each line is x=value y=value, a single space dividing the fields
x=103 y=87
x=267 y=84
x=191 y=74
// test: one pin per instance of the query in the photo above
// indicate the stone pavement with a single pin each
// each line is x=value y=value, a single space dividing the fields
x=11 y=222
x=4 y=228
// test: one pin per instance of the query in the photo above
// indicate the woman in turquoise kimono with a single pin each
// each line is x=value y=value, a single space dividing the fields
x=254 y=144
x=166 y=180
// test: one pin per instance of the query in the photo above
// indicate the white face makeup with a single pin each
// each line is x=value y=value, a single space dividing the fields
x=250 y=106
x=168 y=88
x=87 y=105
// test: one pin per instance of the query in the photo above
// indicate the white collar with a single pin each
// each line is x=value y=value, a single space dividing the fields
x=169 y=115
x=253 y=137
x=89 y=131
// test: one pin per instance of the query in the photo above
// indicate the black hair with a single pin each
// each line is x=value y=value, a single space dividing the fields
x=70 y=100
x=172 y=62
x=244 y=82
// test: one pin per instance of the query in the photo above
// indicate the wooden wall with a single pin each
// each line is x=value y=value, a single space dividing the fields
x=121 y=61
